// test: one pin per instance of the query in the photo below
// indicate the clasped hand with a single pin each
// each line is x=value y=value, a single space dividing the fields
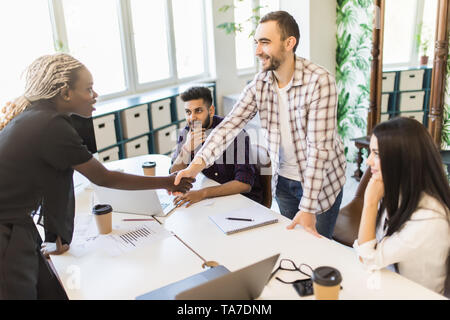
x=184 y=186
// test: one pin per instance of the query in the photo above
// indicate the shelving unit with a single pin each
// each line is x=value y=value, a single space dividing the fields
x=406 y=92
x=130 y=123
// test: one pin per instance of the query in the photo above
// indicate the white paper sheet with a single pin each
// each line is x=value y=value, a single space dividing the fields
x=86 y=238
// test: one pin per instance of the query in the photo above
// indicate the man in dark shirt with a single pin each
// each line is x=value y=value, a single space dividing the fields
x=233 y=170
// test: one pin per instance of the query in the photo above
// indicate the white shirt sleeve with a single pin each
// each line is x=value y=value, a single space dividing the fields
x=414 y=234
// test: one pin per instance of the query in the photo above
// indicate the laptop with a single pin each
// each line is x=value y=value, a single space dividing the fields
x=144 y=202
x=170 y=291
x=219 y=284
x=244 y=284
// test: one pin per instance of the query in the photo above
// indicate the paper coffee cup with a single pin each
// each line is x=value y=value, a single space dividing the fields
x=326 y=283
x=103 y=218
x=149 y=168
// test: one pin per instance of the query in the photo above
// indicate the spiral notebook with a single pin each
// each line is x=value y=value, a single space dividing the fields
x=256 y=217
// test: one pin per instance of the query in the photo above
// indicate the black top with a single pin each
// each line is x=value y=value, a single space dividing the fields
x=37 y=151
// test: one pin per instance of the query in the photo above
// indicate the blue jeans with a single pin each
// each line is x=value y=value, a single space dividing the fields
x=288 y=195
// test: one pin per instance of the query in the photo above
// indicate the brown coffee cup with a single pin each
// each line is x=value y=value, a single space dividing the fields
x=149 y=168
x=103 y=218
x=326 y=283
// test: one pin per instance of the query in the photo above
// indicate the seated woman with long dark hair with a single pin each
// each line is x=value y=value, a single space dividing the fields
x=405 y=221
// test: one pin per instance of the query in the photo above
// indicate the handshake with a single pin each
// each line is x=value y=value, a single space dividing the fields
x=182 y=187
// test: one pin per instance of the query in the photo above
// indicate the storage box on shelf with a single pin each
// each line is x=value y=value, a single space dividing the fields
x=180 y=109
x=136 y=147
x=405 y=92
x=384 y=117
x=388 y=81
x=384 y=102
x=160 y=113
x=411 y=101
x=166 y=140
x=109 y=155
x=135 y=121
x=415 y=115
x=145 y=124
x=105 y=131
x=411 y=80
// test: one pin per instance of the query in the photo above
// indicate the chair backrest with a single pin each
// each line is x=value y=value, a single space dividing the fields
x=349 y=217
x=260 y=157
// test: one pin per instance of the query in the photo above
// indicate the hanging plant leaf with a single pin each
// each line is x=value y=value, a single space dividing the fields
x=230 y=27
x=225 y=8
x=353 y=61
x=363 y=3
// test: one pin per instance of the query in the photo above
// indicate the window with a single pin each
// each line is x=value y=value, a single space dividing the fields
x=400 y=42
x=245 y=57
x=130 y=46
x=268 y=6
x=429 y=24
x=189 y=37
x=243 y=11
x=150 y=39
x=26 y=34
x=399 y=33
x=96 y=44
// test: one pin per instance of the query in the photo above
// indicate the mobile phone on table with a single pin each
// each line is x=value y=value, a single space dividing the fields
x=304 y=287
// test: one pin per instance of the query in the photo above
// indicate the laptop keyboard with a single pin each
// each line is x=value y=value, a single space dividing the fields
x=164 y=205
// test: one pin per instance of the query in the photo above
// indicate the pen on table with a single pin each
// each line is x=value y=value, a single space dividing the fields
x=239 y=219
x=138 y=219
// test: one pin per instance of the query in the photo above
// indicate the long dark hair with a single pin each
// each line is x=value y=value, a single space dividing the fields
x=410 y=165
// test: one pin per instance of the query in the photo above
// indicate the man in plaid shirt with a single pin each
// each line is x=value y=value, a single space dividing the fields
x=297 y=104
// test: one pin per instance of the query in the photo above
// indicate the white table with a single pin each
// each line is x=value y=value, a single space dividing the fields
x=243 y=248
x=132 y=274
x=98 y=275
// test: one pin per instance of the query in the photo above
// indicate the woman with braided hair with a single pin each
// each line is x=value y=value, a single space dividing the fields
x=39 y=149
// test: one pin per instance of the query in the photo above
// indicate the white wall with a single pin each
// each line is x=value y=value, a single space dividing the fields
x=300 y=10
x=228 y=81
x=317 y=23
x=323 y=31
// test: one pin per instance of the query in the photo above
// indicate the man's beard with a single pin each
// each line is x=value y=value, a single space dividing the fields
x=274 y=63
x=205 y=125
x=207 y=122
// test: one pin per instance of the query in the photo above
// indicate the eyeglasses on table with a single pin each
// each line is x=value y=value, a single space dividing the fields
x=289 y=265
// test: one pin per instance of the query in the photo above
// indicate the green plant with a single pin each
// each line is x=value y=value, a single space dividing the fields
x=445 y=137
x=352 y=65
x=236 y=27
x=446 y=128
x=59 y=46
x=423 y=37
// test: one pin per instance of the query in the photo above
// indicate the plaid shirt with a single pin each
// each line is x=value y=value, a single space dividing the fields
x=312 y=115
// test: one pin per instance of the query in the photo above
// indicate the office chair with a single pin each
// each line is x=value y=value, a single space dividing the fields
x=349 y=217
x=260 y=157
